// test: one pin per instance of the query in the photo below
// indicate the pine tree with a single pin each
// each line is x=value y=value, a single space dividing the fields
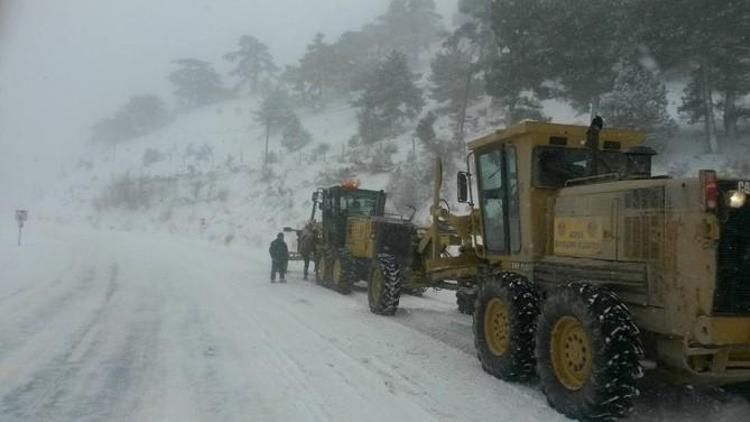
x=197 y=83
x=638 y=101
x=359 y=52
x=577 y=44
x=390 y=98
x=710 y=37
x=275 y=110
x=253 y=61
x=454 y=81
x=410 y=26
x=320 y=70
x=294 y=136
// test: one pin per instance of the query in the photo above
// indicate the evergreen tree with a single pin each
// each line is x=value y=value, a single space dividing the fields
x=639 y=101
x=454 y=81
x=410 y=26
x=578 y=45
x=253 y=61
x=710 y=37
x=320 y=70
x=275 y=111
x=197 y=83
x=390 y=98
x=295 y=137
x=360 y=51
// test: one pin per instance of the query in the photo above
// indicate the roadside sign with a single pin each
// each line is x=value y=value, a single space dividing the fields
x=21 y=217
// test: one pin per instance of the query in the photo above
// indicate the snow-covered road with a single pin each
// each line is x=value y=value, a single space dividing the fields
x=99 y=325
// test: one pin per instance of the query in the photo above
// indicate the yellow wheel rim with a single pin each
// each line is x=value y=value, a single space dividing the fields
x=337 y=271
x=376 y=285
x=497 y=326
x=570 y=350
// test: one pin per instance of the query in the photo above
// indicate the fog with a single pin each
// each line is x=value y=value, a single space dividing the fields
x=176 y=156
x=65 y=64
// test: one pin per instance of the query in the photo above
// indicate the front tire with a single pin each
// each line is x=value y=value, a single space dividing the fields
x=588 y=352
x=322 y=269
x=341 y=273
x=505 y=314
x=384 y=285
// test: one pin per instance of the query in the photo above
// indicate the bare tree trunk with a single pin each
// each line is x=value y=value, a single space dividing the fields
x=268 y=135
x=464 y=104
x=730 y=114
x=594 y=106
x=708 y=104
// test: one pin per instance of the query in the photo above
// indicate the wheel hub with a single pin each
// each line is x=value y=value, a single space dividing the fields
x=570 y=348
x=497 y=326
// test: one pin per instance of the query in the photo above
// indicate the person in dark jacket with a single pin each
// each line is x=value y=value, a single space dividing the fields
x=279 y=258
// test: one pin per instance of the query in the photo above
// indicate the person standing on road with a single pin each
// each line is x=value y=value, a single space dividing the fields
x=307 y=246
x=279 y=258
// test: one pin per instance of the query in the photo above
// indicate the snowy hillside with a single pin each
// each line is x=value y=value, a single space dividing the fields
x=203 y=174
x=209 y=178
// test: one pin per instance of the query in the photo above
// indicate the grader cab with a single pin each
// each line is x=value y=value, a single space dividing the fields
x=580 y=265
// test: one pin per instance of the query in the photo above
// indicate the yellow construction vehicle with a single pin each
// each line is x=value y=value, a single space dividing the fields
x=580 y=265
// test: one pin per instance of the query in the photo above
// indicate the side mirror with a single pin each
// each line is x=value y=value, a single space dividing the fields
x=463 y=187
x=315 y=197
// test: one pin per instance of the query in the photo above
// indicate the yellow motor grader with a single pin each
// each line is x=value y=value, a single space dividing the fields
x=579 y=265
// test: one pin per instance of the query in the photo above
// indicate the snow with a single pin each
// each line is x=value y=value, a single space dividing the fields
x=119 y=326
x=112 y=325
x=166 y=313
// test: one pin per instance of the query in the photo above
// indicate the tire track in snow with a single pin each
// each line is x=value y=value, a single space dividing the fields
x=42 y=395
x=25 y=321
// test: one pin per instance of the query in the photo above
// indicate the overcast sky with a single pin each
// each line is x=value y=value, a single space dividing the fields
x=66 y=63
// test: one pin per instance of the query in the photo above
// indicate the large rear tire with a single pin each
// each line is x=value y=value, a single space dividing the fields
x=384 y=285
x=506 y=309
x=588 y=351
x=465 y=301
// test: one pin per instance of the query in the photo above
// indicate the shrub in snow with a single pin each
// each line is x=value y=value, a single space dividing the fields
x=151 y=156
x=131 y=193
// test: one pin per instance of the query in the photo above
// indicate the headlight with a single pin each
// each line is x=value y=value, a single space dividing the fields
x=737 y=199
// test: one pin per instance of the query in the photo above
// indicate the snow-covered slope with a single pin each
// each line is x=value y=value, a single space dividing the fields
x=210 y=180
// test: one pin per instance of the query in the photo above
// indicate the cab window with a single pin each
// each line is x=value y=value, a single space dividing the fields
x=498 y=193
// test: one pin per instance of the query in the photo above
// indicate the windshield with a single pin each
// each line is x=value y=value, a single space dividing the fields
x=359 y=203
x=555 y=166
